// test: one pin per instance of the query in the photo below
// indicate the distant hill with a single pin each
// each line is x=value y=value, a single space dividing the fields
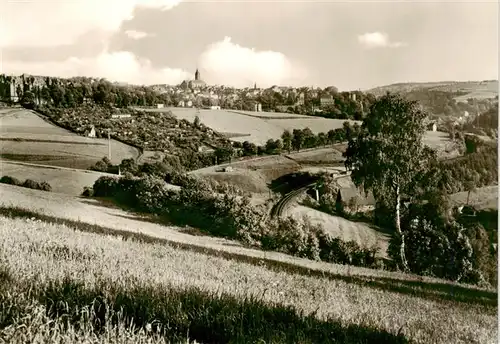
x=447 y=98
x=470 y=89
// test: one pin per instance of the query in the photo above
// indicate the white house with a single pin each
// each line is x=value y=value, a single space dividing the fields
x=160 y=106
x=92 y=132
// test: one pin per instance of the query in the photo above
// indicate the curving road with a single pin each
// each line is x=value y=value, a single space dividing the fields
x=284 y=202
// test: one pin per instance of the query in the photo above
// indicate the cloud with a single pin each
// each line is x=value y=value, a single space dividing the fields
x=228 y=63
x=122 y=66
x=222 y=62
x=59 y=22
x=133 y=34
x=371 y=40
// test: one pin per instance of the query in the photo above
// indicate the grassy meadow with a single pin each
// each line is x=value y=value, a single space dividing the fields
x=63 y=282
x=362 y=233
x=482 y=198
x=26 y=137
x=62 y=180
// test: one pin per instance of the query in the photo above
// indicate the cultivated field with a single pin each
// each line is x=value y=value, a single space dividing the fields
x=215 y=299
x=270 y=115
x=63 y=180
x=24 y=136
x=320 y=156
x=242 y=127
x=482 y=198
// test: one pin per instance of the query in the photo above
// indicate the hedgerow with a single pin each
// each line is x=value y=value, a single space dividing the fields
x=223 y=211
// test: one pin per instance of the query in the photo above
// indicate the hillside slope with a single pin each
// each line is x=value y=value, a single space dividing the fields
x=25 y=136
x=63 y=180
x=473 y=89
x=376 y=305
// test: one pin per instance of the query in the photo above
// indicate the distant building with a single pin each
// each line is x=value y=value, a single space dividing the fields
x=160 y=106
x=214 y=107
x=432 y=126
x=194 y=84
x=326 y=100
x=258 y=107
x=119 y=116
x=301 y=99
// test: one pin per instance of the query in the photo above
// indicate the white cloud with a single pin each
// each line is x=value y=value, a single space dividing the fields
x=58 y=22
x=120 y=66
x=371 y=40
x=223 y=62
x=134 y=34
x=228 y=63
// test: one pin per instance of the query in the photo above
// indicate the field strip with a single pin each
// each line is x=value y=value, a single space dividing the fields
x=52 y=141
x=51 y=167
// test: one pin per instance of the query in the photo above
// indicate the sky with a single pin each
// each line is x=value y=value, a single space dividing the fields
x=349 y=44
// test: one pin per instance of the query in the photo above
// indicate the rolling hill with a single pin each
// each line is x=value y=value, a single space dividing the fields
x=473 y=89
x=78 y=254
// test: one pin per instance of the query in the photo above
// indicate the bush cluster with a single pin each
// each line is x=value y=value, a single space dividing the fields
x=224 y=211
x=28 y=183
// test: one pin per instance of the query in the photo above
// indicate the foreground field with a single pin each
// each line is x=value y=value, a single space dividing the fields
x=63 y=180
x=24 y=136
x=215 y=300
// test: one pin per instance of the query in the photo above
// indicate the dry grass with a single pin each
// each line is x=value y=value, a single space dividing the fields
x=482 y=198
x=25 y=133
x=360 y=232
x=424 y=310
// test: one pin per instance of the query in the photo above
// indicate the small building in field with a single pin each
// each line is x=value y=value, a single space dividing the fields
x=432 y=126
x=160 y=106
x=92 y=132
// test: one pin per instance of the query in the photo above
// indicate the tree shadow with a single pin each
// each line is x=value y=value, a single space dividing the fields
x=437 y=291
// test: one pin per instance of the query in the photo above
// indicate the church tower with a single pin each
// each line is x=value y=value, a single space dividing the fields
x=197 y=75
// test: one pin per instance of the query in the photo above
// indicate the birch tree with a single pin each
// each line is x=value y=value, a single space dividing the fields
x=388 y=155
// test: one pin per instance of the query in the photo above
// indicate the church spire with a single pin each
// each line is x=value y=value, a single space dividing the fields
x=197 y=74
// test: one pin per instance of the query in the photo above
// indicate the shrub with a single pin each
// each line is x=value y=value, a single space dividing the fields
x=105 y=186
x=28 y=183
x=152 y=194
x=45 y=186
x=88 y=191
x=31 y=184
x=10 y=180
x=433 y=250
